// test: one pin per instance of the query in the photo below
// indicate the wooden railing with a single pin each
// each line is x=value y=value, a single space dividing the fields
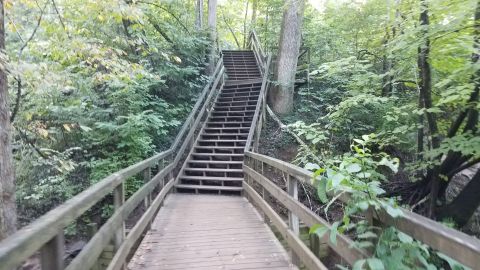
x=255 y=45
x=45 y=235
x=263 y=62
x=455 y=244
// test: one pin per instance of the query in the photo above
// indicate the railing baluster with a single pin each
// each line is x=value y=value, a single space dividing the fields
x=147 y=176
x=118 y=200
x=293 y=222
x=53 y=252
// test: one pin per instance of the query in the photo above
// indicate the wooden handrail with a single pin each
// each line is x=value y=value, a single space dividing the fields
x=344 y=244
x=453 y=243
x=46 y=233
x=259 y=106
x=256 y=47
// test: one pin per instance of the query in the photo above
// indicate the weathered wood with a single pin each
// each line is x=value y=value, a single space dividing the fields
x=344 y=245
x=52 y=253
x=87 y=257
x=248 y=144
x=22 y=245
x=305 y=255
x=209 y=232
x=118 y=201
x=196 y=107
x=147 y=176
x=25 y=242
x=134 y=235
x=293 y=222
x=455 y=244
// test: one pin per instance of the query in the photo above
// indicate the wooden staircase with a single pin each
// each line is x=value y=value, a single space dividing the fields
x=215 y=163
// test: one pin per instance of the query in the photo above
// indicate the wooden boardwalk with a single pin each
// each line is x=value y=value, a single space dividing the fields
x=209 y=232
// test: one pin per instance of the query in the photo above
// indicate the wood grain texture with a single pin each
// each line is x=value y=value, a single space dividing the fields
x=209 y=232
x=455 y=244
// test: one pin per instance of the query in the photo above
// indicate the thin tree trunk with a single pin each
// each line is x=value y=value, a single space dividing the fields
x=230 y=29
x=199 y=15
x=8 y=215
x=387 y=63
x=281 y=98
x=212 y=25
x=245 y=34
x=254 y=13
x=426 y=94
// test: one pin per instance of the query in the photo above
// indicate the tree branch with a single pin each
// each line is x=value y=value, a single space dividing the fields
x=24 y=137
x=17 y=99
x=230 y=29
x=169 y=12
x=42 y=11
x=60 y=18
x=160 y=31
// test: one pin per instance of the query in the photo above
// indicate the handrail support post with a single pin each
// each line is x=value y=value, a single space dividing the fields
x=53 y=252
x=293 y=221
x=118 y=200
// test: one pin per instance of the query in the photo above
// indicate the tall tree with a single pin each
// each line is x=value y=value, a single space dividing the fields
x=281 y=98
x=245 y=34
x=8 y=216
x=199 y=14
x=212 y=25
x=254 y=13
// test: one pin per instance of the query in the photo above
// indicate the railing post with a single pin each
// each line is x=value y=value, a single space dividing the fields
x=192 y=140
x=118 y=200
x=147 y=176
x=293 y=222
x=53 y=252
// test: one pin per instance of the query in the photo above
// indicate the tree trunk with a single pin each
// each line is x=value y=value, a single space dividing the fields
x=254 y=13
x=281 y=98
x=387 y=63
x=212 y=25
x=425 y=87
x=199 y=15
x=8 y=215
x=455 y=160
x=245 y=34
x=465 y=203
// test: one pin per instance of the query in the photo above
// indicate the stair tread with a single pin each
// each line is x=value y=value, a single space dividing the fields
x=214 y=147
x=218 y=154
x=214 y=162
x=211 y=170
x=208 y=187
x=211 y=178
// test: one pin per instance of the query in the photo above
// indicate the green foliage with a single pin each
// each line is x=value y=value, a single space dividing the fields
x=100 y=90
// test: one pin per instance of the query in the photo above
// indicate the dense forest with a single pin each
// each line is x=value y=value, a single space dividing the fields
x=378 y=98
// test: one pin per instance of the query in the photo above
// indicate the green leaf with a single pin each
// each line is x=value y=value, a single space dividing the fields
x=311 y=166
x=337 y=179
x=404 y=238
x=363 y=205
x=353 y=168
x=454 y=265
x=358 y=265
x=367 y=235
x=334 y=232
x=375 y=264
x=319 y=230
x=322 y=190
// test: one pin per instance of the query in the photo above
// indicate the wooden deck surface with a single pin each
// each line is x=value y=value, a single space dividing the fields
x=209 y=232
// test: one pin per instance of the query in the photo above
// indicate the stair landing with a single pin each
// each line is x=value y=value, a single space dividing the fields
x=208 y=232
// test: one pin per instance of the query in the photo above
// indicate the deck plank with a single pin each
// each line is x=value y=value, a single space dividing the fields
x=209 y=232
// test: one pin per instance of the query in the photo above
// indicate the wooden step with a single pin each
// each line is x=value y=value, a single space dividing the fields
x=211 y=178
x=215 y=162
x=205 y=187
x=213 y=170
